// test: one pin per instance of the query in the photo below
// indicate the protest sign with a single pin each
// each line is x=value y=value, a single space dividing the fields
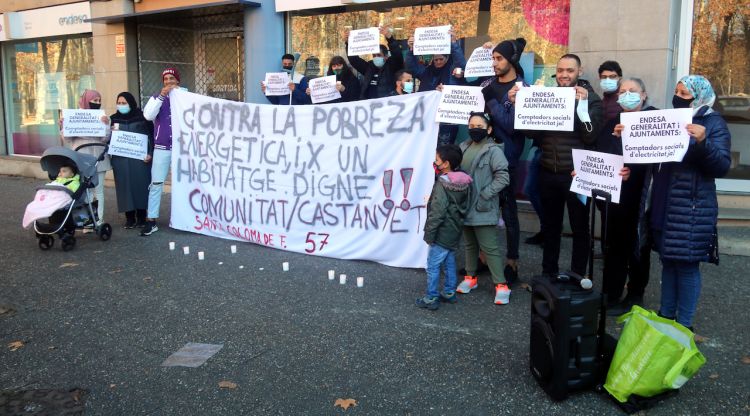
x=655 y=136
x=83 y=123
x=595 y=170
x=128 y=144
x=343 y=180
x=432 y=40
x=457 y=102
x=323 y=89
x=277 y=83
x=364 y=41
x=545 y=108
x=479 y=63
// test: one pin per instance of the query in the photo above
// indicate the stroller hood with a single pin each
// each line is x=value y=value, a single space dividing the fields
x=56 y=156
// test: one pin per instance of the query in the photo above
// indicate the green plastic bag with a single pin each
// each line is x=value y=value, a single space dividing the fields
x=653 y=355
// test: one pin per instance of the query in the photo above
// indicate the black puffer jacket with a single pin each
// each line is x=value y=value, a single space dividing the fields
x=557 y=146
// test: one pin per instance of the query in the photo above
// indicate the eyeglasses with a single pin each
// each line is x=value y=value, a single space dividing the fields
x=615 y=76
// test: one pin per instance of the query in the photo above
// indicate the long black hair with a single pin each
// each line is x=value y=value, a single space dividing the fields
x=346 y=71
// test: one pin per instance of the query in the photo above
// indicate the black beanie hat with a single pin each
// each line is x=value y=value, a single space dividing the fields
x=505 y=48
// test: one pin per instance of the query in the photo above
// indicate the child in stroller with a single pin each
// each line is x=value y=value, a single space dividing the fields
x=68 y=206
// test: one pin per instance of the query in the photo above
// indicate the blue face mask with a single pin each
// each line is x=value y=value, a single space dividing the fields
x=408 y=87
x=379 y=61
x=608 y=85
x=629 y=100
x=123 y=108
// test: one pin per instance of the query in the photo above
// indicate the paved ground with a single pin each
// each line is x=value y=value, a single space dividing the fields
x=295 y=342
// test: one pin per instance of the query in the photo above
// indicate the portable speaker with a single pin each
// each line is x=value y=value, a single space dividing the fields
x=564 y=353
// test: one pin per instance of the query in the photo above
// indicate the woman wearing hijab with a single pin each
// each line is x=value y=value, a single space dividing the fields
x=679 y=201
x=92 y=100
x=132 y=176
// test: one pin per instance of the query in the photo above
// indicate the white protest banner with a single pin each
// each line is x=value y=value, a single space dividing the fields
x=655 y=136
x=479 y=63
x=432 y=40
x=323 y=89
x=545 y=108
x=342 y=180
x=457 y=102
x=83 y=123
x=128 y=144
x=364 y=41
x=596 y=170
x=277 y=83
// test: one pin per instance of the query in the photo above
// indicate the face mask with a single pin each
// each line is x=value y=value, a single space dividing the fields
x=408 y=87
x=629 y=100
x=608 y=85
x=437 y=169
x=477 y=134
x=95 y=106
x=287 y=69
x=336 y=72
x=123 y=108
x=379 y=61
x=583 y=114
x=679 y=102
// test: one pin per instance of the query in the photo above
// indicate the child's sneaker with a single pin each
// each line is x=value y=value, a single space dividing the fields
x=469 y=283
x=428 y=303
x=448 y=297
x=502 y=294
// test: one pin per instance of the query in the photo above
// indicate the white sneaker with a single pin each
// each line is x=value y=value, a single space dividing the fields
x=502 y=294
x=469 y=283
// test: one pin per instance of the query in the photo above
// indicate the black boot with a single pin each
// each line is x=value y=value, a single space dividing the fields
x=129 y=220
x=140 y=215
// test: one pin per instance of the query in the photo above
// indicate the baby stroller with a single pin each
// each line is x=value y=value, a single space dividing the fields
x=82 y=211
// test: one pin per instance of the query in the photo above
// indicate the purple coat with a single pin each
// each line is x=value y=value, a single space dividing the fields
x=158 y=110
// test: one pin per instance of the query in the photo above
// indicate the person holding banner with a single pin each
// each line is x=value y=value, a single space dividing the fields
x=440 y=67
x=346 y=82
x=484 y=160
x=378 y=74
x=679 y=201
x=158 y=110
x=500 y=99
x=297 y=85
x=623 y=258
x=92 y=100
x=132 y=176
x=556 y=167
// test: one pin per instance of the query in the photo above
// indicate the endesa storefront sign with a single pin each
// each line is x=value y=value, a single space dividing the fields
x=67 y=19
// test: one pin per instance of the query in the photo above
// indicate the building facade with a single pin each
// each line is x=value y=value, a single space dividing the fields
x=54 y=49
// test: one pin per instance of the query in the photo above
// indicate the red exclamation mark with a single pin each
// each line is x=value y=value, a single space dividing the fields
x=387 y=186
x=406 y=177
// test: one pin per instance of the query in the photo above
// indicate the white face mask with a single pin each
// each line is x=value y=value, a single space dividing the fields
x=408 y=87
x=583 y=114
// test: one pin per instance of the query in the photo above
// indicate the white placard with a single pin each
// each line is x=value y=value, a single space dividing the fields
x=323 y=89
x=655 y=136
x=277 y=83
x=479 y=63
x=342 y=180
x=128 y=144
x=457 y=102
x=596 y=170
x=364 y=41
x=432 y=40
x=545 y=108
x=83 y=123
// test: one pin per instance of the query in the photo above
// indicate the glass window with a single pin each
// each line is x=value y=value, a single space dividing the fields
x=721 y=53
x=543 y=23
x=44 y=76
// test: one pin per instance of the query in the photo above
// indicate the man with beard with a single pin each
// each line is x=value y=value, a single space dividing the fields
x=556 y=167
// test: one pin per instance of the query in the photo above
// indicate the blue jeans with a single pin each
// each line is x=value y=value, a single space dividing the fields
x=440 y=258
x=162 y=160
x=680 y=288
x=531 y=187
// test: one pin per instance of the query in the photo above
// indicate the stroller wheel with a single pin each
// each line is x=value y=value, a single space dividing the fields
x=46 y=242
x=68 y=243
x=105 y=232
